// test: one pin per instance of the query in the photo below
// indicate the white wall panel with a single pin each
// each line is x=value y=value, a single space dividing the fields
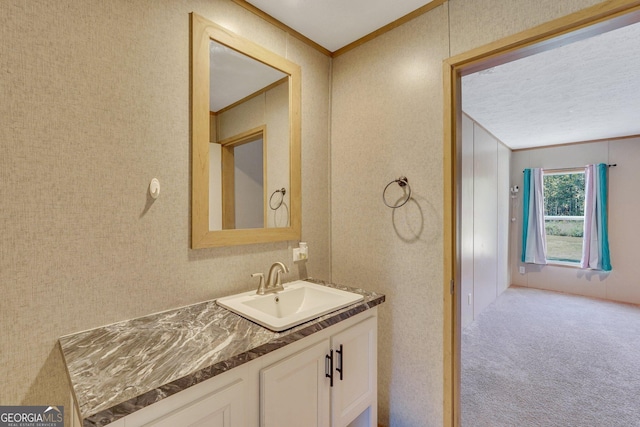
x=485 y=212
x=466 y=226
x=502 y=226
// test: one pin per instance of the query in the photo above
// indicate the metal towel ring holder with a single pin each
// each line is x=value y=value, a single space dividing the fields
x=283 y=191
x=402 y=182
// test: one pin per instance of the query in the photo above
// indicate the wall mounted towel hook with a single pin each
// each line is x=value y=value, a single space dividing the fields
x=154 y=188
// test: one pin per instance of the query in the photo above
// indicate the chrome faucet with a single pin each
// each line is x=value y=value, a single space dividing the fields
x=273 y=279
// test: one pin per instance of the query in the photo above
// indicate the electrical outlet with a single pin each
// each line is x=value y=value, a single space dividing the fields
x=301 y=253
x=522 y=271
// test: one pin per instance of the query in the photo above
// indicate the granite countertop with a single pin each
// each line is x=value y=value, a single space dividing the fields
x=118 y=369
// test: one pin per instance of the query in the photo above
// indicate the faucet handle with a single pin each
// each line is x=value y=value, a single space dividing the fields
x=260 y=290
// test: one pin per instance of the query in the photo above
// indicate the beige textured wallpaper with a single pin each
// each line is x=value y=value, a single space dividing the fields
x=387 y=122
x=95 y=103
x=478 y=22
x=387 y=113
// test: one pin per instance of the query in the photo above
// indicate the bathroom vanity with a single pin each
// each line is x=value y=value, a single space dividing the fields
x=203 y=365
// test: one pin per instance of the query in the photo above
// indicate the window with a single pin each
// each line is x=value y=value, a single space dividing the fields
x=564 y=215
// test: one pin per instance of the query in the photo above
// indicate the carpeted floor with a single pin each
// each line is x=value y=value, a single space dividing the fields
x=539 y=358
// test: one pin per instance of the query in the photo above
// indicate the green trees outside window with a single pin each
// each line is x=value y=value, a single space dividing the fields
x=564 y=215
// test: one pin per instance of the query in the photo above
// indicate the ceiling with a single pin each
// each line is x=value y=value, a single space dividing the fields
x=334 y=24
x=583 y=91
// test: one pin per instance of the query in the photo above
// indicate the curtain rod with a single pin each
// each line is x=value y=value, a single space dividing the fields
x=567 y=169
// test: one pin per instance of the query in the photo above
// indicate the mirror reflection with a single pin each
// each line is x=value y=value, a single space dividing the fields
x=245 y=141
x=249 y=142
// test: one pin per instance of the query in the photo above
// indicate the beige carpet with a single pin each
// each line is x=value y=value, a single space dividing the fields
x=539 y=358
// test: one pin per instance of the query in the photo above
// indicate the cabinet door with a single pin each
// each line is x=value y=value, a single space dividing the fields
x=220 y=408
x=355 y=375
x=295 y=392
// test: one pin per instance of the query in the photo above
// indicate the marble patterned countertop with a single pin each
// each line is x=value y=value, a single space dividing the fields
x=118 y=369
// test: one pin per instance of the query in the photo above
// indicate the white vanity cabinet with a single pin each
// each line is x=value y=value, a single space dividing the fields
x=287 y=387
x=218 y=402
x=329 y=384
x=293 y=392
x=355 y=385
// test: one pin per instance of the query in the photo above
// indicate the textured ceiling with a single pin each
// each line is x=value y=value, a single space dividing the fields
x=336 y=23
x=583 y=91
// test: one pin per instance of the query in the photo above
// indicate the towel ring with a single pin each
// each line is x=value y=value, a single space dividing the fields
x=283 y=191
x=402 y=182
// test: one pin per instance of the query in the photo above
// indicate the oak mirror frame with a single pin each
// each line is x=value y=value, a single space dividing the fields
x=203 y=32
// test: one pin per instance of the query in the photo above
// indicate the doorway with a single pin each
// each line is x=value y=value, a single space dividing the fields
x=577 y=26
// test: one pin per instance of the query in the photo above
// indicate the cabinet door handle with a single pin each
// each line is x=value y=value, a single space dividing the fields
x=340 y=362
x=328 y=373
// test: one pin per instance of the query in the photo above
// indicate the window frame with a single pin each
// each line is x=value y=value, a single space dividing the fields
x=564 y=171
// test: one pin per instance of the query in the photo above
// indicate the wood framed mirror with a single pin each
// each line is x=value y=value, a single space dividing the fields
x=245 y=141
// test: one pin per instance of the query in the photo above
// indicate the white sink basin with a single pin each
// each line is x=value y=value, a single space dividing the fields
x=299 y=302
